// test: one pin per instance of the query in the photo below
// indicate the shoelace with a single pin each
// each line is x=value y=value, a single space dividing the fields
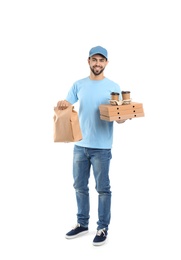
x=76 y=225
x=100 y=231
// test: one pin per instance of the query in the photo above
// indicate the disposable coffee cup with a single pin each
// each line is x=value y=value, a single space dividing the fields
x=114 y=96
x=125 y=95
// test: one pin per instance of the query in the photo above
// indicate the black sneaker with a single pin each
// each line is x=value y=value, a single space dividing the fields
x=76 y=231
x=100 y=237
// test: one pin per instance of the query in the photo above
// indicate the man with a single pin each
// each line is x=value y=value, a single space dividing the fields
x=94 y=150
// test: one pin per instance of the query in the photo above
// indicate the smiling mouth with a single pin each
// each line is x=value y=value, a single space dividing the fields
x=97 y=68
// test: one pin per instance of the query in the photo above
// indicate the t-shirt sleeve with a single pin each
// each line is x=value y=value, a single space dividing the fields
x=72 y=94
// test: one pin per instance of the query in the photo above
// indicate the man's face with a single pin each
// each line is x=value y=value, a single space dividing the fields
x=97 y=64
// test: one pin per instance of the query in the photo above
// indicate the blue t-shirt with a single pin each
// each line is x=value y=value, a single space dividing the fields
x=96 y=133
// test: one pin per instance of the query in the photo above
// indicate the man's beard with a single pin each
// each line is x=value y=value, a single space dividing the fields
x=95 y=72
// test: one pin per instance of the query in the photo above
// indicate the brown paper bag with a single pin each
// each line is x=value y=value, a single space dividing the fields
x=66 y=125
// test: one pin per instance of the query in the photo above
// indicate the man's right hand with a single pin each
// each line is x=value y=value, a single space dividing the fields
x=63 y=104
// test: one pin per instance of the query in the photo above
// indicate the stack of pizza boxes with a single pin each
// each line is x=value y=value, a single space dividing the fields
x=121 y=110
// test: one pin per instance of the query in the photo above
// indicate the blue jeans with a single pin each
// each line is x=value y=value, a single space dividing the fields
x=99 y=160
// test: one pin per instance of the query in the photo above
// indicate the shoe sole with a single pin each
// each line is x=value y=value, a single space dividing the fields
x=99 y=243
x=77 y=235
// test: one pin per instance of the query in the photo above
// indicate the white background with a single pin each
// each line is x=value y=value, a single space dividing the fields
x=44 y=47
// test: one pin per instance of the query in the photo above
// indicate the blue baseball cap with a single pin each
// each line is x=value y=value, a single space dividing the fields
x=98 y=50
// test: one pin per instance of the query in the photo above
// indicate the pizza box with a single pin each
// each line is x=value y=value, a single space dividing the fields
x=110 y=112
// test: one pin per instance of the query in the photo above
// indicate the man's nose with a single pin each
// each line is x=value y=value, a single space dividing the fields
x=97 y=62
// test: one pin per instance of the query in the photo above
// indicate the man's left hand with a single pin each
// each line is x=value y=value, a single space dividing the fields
x=121 y=121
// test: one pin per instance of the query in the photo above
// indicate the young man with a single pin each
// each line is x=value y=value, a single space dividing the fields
x=94 y=150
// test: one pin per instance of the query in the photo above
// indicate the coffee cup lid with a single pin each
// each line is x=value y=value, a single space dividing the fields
x=125 y=92
x=114 y=93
